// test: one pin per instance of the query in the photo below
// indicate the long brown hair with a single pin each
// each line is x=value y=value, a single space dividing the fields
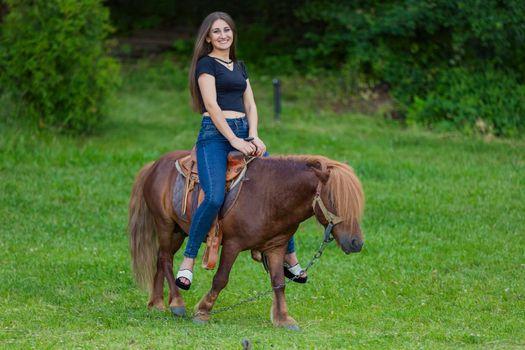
x=203 y=48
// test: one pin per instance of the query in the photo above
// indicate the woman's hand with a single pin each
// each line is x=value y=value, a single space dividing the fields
x=261 y=147
x=247 y=148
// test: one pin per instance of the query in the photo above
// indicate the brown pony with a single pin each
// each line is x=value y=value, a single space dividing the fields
x=277 y=195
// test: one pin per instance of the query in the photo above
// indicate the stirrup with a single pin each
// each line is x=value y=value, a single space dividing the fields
x=294 y=273
x=184 y=274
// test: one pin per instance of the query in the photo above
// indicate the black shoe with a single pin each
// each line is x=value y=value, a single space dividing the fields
x=294 y=273
x=184 y=274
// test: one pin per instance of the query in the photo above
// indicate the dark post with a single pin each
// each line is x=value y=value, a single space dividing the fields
x=277 y=98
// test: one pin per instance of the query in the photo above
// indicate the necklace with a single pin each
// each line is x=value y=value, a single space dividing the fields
x=223 y=61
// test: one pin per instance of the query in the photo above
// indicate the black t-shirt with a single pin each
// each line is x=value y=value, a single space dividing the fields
x=230 y=85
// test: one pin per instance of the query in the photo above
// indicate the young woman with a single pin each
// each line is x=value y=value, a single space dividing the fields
x=221 y=92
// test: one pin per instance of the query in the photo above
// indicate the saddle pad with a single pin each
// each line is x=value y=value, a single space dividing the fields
x=178 y=193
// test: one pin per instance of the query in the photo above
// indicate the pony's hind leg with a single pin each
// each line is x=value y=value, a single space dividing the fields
x=156 y=299
x=228 y=255
x=169 y=242
x=279 y=312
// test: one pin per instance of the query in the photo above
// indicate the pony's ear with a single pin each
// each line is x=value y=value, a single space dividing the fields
x=321 y=175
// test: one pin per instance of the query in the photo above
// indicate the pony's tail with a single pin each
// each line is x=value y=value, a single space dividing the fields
x=143 y=242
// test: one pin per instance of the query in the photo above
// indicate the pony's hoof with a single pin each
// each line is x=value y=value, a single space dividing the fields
x=178 y=311
x=159 y=306
x=199 y=321
x=293 y=327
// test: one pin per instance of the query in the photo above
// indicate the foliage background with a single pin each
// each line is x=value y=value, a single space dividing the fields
x=437 y=57
x=53 y=63
x=448 y=65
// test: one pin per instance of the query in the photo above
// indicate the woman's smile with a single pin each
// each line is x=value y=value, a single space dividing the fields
x=220 y=35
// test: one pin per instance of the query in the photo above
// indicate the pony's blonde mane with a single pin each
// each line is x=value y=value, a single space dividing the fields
x=344 y=188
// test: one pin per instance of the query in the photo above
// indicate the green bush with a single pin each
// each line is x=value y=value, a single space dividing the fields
x=487 y=101
x=413 y=43
x=53 y=62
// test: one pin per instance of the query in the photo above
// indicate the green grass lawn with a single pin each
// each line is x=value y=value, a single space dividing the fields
x=443 y=264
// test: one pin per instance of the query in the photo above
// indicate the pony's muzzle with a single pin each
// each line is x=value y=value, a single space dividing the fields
x=353 y=245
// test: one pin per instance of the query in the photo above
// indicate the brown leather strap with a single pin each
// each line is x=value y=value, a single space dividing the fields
x=187 y=190
x=193 y=157
x=193 y=153
x=213 y=242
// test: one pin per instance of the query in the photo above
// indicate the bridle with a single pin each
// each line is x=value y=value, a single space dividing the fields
x=330 y=217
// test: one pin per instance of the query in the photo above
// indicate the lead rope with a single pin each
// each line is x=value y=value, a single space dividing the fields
x=326 y=240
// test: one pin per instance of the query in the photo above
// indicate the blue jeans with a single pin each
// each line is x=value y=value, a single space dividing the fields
x=212 y=155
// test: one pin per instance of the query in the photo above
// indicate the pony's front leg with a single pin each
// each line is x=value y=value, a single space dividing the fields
x=279 y=312
x=204 y=307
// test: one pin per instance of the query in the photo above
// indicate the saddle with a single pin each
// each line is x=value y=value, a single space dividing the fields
x=188 y=194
